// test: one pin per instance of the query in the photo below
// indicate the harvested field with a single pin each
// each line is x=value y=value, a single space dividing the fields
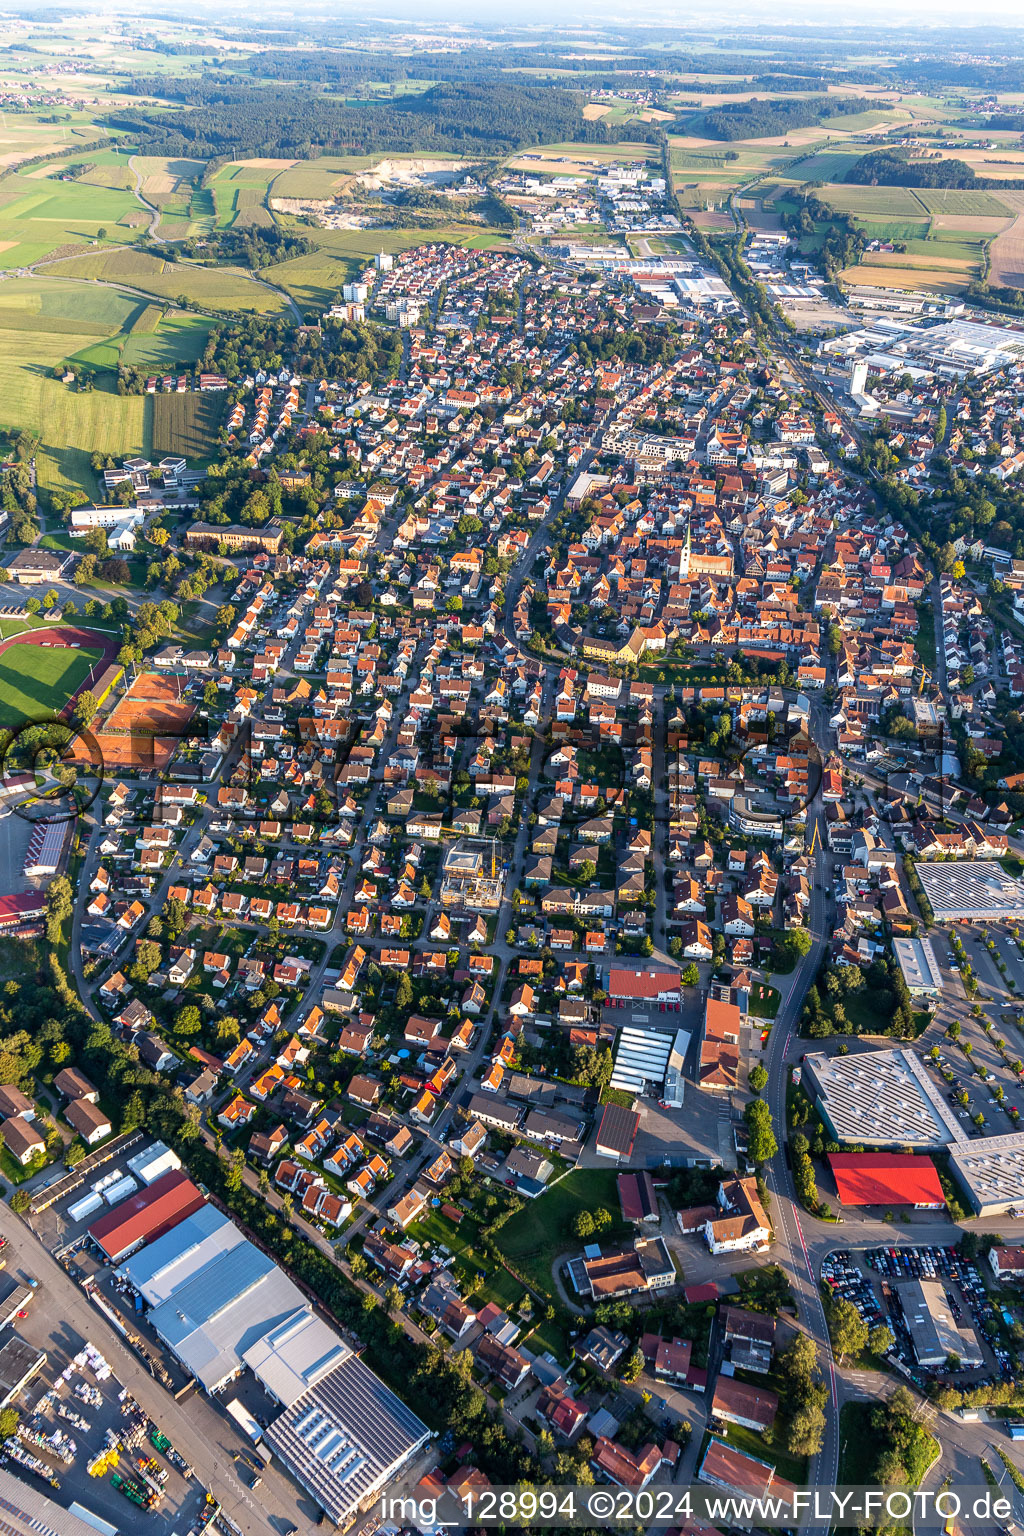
x=910 y=279
x=975 y=225
x=1006 y=256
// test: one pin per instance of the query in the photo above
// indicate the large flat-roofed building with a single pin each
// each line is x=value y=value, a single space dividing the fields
x=216 y=1315
x=880 y=1099
x=28 y=1512
x=345 y=1435
x=972 y=891
x=919 y=966
x=159 y=1269
x=934 y=1332
x=19 y=1363
x=887 y=1178
x=991 y=1172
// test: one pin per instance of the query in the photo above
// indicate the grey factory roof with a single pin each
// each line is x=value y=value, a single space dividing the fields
x=211 y=1320
x=160 y=1268
x=26 y=1511
x=881 y=1099
x=934 y=1332
x=973 y=889
x=991 y=1171
x=295 y=1356
x=346 y=1437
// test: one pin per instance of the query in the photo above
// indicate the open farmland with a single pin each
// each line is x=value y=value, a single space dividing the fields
x=25 y=135
x=952 y=200
x=1006 y=257
x=909 y=278
x=187 y=424
x=40 y=216
x=225 y=288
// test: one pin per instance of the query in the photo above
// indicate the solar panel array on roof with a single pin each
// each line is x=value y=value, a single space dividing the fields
x=345 y=1437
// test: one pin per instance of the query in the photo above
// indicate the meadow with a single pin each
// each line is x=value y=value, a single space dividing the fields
x=226 y=288
x=42 y=215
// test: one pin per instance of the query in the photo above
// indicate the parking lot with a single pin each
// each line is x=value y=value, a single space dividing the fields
x=871 y=1278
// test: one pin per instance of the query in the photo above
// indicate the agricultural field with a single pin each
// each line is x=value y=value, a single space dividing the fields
x=239 y=193
x=37 y=680
x=39 y=216
x=42 y=323
x=24 y=135
x=187 y=424
x=226 y=288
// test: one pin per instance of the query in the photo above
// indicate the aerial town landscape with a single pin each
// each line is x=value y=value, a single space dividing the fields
x=512 y=795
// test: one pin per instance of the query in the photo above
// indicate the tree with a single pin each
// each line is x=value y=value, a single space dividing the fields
x=633 y=1367
x=583 y=1226
x=847 y=1329
x=187 y=1020
x=85 y=708
x=403 y=994
x=758 y=1077
x=58 y=907
x=587 y=870
x=761 y=1143
x=691 y=975
x=881 y=1339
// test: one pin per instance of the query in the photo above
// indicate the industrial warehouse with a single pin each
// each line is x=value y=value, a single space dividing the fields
x=886 y=1099
x=223 y=1307
x=972 y=891
x=934 y=1332
x=886 y=1178
x=880 y=1099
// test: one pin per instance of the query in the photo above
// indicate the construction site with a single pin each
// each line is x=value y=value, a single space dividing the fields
x=473 y=877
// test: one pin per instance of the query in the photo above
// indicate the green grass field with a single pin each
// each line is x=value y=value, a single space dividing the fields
x=534 y=1237
x=37 y=680
x=873 y=202
x=225 y=288
x=71 y=425
x=985 y=204
x=45 y=215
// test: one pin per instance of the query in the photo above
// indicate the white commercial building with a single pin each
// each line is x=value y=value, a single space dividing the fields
x=919 y=966
x=972 y=891
x=881 y=1099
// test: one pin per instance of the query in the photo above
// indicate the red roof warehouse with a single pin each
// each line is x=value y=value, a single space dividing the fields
x=147 y=1215
x=886 y=1178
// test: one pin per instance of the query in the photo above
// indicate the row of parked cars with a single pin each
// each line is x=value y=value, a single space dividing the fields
x=844 y=1279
